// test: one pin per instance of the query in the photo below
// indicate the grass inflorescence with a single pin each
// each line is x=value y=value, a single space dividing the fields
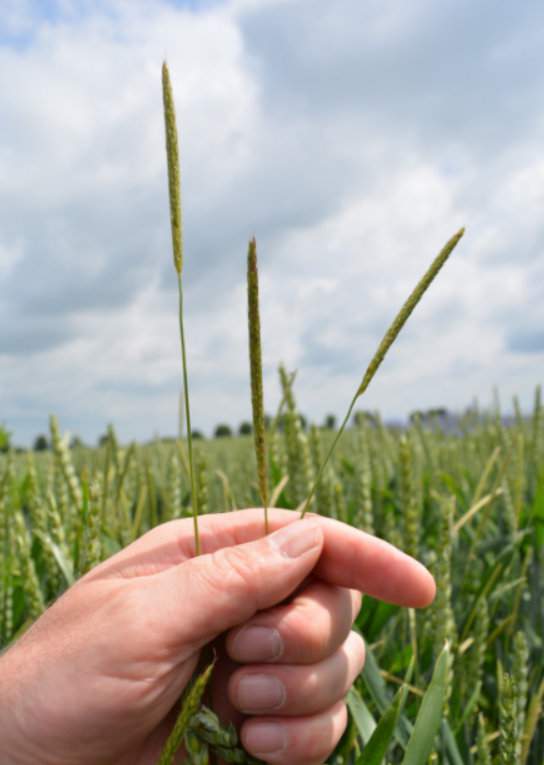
x=387 y=341
x=172 y=155
x=256 y=375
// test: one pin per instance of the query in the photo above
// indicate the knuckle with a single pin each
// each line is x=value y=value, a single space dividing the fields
x=311 y=687
x=234 y=572
x=358 y=649
x=357 y=601
x=319 y=641
x=318 y=629
x=309 y=631
x=317 y=748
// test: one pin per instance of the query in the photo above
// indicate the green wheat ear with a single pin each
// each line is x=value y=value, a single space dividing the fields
x=189 y=707
x=172 y=156
x=387 y=341
x=256 y=371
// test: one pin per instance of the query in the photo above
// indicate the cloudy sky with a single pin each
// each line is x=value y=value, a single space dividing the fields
x=352 y=138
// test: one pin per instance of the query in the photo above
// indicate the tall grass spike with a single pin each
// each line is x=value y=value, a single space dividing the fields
x=256 y=374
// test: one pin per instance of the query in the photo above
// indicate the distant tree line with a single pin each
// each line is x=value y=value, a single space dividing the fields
x=429 y=415
x=245 y=428
x=222 y=430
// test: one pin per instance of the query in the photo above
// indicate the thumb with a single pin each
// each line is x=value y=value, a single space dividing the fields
x=208 y=595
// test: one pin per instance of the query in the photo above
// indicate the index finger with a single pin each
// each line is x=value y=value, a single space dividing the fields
x=350 y=558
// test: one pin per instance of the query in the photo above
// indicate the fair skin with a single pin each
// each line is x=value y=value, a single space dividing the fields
x=95 y=681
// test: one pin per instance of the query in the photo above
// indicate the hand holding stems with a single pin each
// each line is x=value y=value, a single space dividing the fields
x=96 y=680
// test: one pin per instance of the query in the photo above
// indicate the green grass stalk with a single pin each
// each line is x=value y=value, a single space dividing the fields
x=190 y=705
x=256 y=373
x=172 y=155
x=194 y=492
x=387 y=341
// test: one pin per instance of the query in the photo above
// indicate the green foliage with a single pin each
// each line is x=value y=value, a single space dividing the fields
x=5 y=439
x=488 y=561
x=330 y=422
x=41 y=444
x=382 y=736
x=222 y=431
x=420 y=744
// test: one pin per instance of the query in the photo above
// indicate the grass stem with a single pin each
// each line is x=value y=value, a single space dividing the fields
x=194 y=493
x=174 y=186
x=387 y=341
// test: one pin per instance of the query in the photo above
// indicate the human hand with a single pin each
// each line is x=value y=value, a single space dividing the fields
x=96 y=679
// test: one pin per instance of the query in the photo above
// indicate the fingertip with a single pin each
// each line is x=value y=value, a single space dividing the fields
x=295 y=739
x=425 y=590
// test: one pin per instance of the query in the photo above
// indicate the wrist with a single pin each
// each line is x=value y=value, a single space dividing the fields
x=13 y=731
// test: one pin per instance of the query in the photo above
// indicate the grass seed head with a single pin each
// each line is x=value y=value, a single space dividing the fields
x=404 y=313
x=256 y=372
x=172 y=156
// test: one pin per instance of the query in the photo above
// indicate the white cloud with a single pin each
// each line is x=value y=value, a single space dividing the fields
x=350 y=139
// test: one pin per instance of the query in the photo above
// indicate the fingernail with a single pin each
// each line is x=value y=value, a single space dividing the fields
x=259 y=693
x=265 y=738
x=257 y=644
x=296 y=539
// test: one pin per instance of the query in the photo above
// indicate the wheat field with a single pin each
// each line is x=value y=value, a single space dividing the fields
x=467 y=499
